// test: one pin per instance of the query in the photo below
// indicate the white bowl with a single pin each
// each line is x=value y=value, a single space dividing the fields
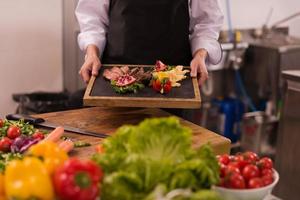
x=247 y=194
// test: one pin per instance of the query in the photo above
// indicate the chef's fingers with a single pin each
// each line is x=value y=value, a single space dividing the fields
x=55 y=135
x=96 y=67
x=203 y=73
x=85 y=71
x=194 y=68
x=66 y=145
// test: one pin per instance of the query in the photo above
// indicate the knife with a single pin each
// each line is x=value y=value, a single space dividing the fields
x=40 y=122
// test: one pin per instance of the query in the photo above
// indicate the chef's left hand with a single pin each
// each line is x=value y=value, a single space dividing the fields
x=198 y=66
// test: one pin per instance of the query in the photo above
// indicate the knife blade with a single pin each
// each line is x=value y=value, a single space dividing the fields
x=40 y=122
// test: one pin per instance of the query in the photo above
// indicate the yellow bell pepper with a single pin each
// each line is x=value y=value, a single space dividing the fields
x=28 y=178
x=51 y=154
x=2 y=193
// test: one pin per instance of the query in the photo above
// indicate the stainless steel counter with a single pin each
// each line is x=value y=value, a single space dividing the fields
x=288 y=142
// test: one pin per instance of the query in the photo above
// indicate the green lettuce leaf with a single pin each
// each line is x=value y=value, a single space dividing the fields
x=156 y=152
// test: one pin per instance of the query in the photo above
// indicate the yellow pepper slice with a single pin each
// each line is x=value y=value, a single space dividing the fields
x=28 y=178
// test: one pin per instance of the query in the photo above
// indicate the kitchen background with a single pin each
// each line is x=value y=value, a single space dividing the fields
x=31 y=41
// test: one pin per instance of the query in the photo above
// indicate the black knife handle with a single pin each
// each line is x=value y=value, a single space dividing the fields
x=26 y=118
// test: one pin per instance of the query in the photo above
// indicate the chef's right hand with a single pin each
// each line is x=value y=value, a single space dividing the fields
x=91 y=64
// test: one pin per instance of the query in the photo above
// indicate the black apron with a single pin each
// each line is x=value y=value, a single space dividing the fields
x=143 y=31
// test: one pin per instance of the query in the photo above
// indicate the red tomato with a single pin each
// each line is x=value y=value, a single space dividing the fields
x=224 y=159
x=231 y=169
x=267 y=179
x=38 y=135
x=235 y=181
x=222 y=169
x=156 y=85
x=241 y=161
x=13 y=132
x=251 y=156
x=167 y=87
x=265 y=163
x=255 y=183
x=5 y=144
x=250 y=171
x=1 y=123
x=266 y=172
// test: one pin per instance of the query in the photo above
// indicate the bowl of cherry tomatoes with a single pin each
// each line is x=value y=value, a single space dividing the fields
x=245 y=176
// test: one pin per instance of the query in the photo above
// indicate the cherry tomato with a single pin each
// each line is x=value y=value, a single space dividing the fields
x=1 y=123
x=250 y=156
x=38 y=135
x=231 y=169
x=255 y=183
x=241 y=161
x=250 y=171
x=224 y=159
x=265 y=163
x=5 y=144
x=156 y=85
x=235 y=181
x=266 y=172
x=13 y=132
x=222 y=169
x=234 y=164
x=267 y=179
x=167 y=87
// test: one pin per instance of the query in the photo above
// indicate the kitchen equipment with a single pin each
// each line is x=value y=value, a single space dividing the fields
x=99 y=92
x=287 y=148
x=258 y=133
x=42 y=123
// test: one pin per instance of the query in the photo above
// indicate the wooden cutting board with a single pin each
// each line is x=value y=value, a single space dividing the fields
x=108 y=120
x=100 y=93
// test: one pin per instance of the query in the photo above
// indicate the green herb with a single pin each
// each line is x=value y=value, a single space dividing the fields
x=132 y=88
x=79 y=144
x=156 y=153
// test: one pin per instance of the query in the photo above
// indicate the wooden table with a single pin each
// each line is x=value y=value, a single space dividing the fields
x=107 y=120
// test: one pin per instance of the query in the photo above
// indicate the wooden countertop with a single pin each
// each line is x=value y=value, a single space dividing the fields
x=107 y=120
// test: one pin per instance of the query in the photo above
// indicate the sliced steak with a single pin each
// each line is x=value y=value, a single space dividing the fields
x=125 y=70
x=108 y=74
x=134 y=71
x=117 y=70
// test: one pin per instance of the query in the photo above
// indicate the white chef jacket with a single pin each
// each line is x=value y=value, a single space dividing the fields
x=206 y=20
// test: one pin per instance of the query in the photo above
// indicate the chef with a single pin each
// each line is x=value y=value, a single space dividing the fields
x=177 y=32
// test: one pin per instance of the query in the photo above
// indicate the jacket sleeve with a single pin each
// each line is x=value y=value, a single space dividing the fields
x=206 y=20
x=92 y=16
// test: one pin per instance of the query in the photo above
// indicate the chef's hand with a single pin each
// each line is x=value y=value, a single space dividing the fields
x=198 y=66
x=91 y=64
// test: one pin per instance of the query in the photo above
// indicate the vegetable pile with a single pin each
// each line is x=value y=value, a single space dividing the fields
x=46 y=172
x=18 y=136
x=155 y=160
x=245 y=171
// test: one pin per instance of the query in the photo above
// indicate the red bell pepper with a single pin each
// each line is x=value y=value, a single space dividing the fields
x=77 y=180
